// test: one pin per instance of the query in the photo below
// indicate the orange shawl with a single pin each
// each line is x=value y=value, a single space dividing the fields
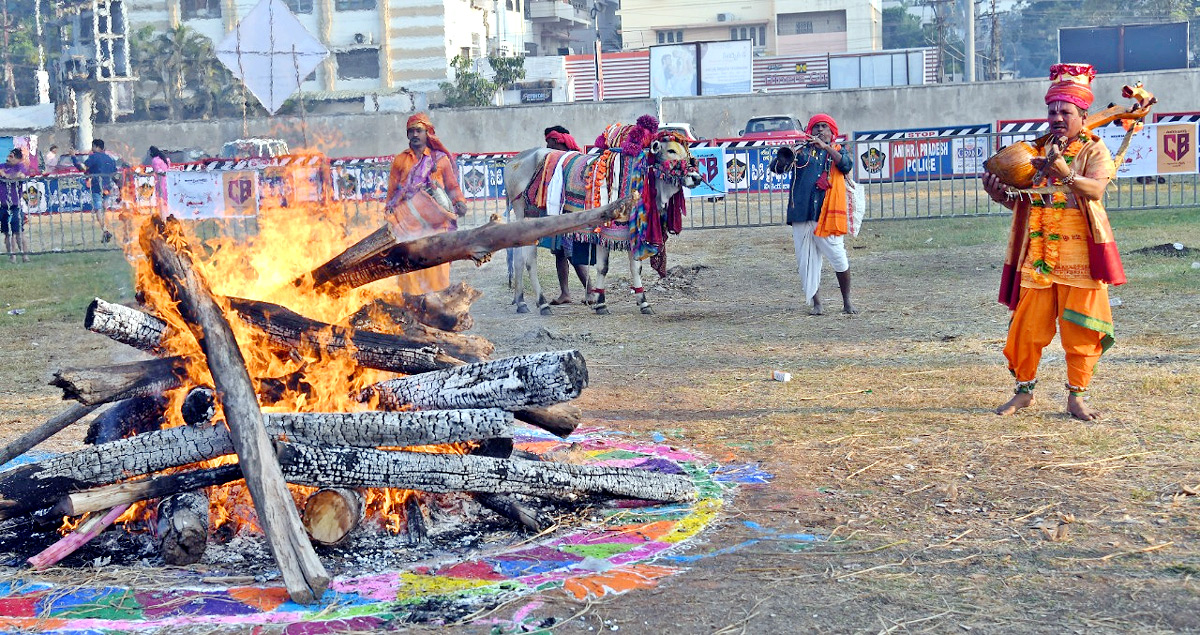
x=833 y=220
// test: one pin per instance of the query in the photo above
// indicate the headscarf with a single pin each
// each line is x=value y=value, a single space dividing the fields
x=1071 y=83
x=565 y=139
x=822 y=118
x=421 y=120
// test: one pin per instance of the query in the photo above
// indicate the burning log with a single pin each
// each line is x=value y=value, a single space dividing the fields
x=303 y=574
x=91 y=527
x=289 y=329
x=182 y=527
x=384 y=253
x=128 y=326
x=372 y=350
x=446 y=310
x=385 y=317
x=505 y=505
x=33 y=486
x=23 y=443
x=414 y=522
x=125 y=418
x=331 y=513
x=105 y=384
x=560 y=419
x=509 y=507
x=360 y=467
x=512 y=383
x=145 y=489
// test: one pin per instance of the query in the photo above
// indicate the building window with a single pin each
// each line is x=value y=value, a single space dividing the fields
x=762 y=36
x=353 y=5
x=733 y=33
x=804 y=27
x=200 y=9
x=358 y=64
x=742 y=34
x=679 y=36
x=299 y=6
x=662 y=37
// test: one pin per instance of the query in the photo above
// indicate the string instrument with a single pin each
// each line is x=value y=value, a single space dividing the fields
x=1013 y=165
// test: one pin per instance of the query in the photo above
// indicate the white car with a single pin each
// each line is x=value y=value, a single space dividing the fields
x=684 y=129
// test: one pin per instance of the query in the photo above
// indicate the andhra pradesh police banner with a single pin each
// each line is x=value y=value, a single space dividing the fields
x=711 y=164
x=925 y=153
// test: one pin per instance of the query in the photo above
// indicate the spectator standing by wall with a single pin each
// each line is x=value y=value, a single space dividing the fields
x=12 y=219
x=159 y=164
x=103 y=168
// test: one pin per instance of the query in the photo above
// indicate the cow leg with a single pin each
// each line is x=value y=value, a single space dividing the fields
x=635 y=277
x=597 y=292
x=520 y=255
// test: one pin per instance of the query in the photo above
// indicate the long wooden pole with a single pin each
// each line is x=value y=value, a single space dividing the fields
x=303 y=574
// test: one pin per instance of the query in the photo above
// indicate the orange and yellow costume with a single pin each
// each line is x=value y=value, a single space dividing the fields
x=1060 y=260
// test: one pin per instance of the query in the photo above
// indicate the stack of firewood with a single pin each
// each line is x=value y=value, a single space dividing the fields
x=445 y=392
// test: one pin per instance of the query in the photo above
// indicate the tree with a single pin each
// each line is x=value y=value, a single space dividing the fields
x=472 y=88
x=902 y=30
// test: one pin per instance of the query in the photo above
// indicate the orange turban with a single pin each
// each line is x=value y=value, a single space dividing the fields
x=825 y=119
x=1071 y=83
x=421 y=120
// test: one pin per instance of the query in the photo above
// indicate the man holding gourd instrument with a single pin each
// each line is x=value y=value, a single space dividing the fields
x=1061 y=255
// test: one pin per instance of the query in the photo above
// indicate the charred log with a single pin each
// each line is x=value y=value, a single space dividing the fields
x=128 y=326
x=199 y=406
x=559 y=419
x=182 y=528
x=373 y=260
x=100 y=498
x=446 y=310
x=127 y=418
x=415 y=527
x=303 y=574
x=331 y=513
x=512 y=383
x=372 y=350
x=383 y=316
x=105 y=384
x=359 y=467
x=528 y=516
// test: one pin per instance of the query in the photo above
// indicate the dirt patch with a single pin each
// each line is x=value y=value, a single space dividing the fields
x=1177 y=250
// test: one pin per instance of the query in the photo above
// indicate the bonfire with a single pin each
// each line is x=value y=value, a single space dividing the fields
x=292 y=392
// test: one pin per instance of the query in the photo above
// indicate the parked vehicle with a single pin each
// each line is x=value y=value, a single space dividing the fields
x=253 y=148
x=780 y=128
x=184 y=155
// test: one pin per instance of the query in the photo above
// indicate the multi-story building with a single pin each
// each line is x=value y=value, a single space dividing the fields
x=377 y=46
x=776 y=27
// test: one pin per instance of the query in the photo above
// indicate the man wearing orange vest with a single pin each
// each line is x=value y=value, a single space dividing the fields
x=1061 y=255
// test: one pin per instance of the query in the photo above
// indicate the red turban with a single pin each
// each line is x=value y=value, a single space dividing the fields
x=1071 y=83
x=421 y=120
x=565 y=139
x=825 y=119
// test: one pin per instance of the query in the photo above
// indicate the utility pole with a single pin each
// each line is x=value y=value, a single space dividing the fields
x=969 y=48
x=995 y=42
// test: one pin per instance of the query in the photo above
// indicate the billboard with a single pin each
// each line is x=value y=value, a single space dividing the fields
x=726 y=68
x=921 y=153
x=674 y=70
x=1126 y=47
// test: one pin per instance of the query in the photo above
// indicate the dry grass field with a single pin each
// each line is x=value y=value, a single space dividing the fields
x=933 y=513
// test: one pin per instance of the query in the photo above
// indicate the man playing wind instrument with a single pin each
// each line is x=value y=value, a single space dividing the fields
x=1061 y=255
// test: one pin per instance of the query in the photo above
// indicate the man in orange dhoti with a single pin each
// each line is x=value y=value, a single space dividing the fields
x=425 y=168
x=1061 y=254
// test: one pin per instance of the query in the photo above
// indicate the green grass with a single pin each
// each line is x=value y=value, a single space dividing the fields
x=58 y=287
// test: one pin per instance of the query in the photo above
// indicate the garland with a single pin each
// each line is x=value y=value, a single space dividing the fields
x=1045 y=220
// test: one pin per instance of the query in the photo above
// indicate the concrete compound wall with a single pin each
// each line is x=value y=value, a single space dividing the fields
x=515 y=128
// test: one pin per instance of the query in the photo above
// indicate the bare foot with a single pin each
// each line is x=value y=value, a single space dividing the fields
x=1018 y=401
x=1078 y=409
x=24 y=258
x=816 y=308
x=849 y=309
x=562 y=299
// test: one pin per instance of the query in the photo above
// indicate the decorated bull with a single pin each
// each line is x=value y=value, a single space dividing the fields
x=632 y=158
